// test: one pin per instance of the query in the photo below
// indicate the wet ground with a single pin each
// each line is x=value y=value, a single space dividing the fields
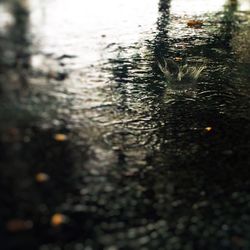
x=99 y=150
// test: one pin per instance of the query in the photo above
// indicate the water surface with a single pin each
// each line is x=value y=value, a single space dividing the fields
x=139 y=163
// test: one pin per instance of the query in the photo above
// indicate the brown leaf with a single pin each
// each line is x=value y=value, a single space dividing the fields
x=17 y=225
x=42 y=177
x=194 y=23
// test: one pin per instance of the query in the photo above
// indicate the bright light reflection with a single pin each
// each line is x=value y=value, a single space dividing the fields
x=244 y=5
x=86 y=27
x=6 y=19
x=196 y=7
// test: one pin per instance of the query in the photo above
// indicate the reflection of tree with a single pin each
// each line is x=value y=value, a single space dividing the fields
x=214 y=98
x=164 y=6
x=15 y=50
x=19 y=35
x=191 y=166
x=161 y=39
x=177 y=119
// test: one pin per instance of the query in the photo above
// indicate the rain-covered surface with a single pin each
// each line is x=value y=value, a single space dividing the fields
x=99 y=150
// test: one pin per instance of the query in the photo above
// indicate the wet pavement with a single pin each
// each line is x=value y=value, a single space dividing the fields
x=99 y=150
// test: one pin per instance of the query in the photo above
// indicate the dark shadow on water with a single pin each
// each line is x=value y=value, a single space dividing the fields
x=27 y=155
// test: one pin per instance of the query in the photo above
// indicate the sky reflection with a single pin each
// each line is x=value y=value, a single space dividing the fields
x=87 y=28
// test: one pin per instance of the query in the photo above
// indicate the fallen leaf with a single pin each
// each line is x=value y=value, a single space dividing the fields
x=58 y=219
x=194 y=23
x=42 y=177
x=17 y=225
x=208 y=129
x=60 y=137
x=178 y=59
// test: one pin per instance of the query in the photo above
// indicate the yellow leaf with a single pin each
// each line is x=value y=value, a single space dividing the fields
x=208 y=129
x=58 y=219
x=42 y=177
x=60 y=137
